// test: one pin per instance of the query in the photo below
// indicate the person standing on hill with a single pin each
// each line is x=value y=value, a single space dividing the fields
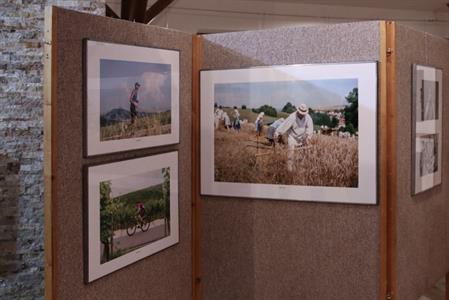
x=299 y=127
x=133 y=102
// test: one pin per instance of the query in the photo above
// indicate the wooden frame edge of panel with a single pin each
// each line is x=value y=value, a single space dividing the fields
x=392 y=157
x=49 y=94
x=196 y=200
x=382 y=162
x=388 y=162
x=447 y=286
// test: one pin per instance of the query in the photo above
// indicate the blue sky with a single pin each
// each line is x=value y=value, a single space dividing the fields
x=314 y=93
x=117 y=80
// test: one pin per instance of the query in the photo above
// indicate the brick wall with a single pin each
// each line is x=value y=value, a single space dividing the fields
x=21 y=144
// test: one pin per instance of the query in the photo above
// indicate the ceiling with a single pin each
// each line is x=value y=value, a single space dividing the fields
x=428 y=5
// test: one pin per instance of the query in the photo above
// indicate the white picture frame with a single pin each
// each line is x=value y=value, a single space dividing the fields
x=127 y=180
x=427 y=141
x=109 y=127
x=366 y=190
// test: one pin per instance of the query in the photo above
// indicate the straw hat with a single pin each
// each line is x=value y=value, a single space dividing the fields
x=302 y=109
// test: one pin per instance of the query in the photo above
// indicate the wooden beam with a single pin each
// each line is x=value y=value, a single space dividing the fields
x=49 y=127
x=447 y=286
x=134 y=10
x=388 y=161
x=392 y=158
x=196 y=199
x=156 y=9
x=110 y=13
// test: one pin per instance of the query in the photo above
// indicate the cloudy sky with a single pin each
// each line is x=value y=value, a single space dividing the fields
x=117 y=79
x=125 y=185
x=314 y=93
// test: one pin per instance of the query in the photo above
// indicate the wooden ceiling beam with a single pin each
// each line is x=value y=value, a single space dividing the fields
x=134 y=10
x=110 y=13
x=156 y=9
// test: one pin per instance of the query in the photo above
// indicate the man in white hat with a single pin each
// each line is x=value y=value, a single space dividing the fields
x=299 y=127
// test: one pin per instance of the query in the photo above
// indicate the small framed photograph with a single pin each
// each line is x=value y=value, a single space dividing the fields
x=132 y=211
x=294 y=132
x=427 y=127
x=132 y=97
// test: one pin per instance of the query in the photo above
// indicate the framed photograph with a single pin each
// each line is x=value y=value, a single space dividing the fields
x=132 y=211
x=294 y=132
x=427 y=124
x=132 y=97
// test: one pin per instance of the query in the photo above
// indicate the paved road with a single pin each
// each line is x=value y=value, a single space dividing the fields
x=122 y=241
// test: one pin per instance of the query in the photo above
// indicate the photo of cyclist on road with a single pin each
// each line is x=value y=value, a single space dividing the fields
x=134 y=211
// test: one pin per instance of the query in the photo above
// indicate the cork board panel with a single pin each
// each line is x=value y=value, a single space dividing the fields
x=422 y=220
x=165 y=275
x=286 y=249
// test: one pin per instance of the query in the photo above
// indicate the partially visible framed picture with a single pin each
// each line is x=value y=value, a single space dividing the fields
x=132 y=211
x=427 y=127
x=132 y=97
x=294 y=132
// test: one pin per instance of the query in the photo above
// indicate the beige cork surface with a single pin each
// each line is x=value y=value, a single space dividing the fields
x=165 y=275
x=265 y=249
x=422 y=220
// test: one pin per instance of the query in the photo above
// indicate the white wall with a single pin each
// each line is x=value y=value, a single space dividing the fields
x=217 y=16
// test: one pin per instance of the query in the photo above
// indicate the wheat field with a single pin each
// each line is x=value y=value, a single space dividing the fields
x=327 y=161
x=143 y=126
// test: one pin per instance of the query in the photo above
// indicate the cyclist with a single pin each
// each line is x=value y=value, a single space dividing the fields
x=140 y=211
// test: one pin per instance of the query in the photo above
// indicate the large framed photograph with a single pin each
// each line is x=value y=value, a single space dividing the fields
x=132 y=211
x=427 y=127
x=132 y=97
x=294 y=132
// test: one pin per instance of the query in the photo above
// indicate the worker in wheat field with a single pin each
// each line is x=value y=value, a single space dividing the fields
x=272 y=130
x=299 y=128
x=218 y=115
x=133 y=102
x=259 y=123
x=236 y=120
x=227 y=121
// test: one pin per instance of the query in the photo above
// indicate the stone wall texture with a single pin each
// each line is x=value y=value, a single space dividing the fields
x=21 y=144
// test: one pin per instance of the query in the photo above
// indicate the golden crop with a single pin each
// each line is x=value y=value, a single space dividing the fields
x=326 y=161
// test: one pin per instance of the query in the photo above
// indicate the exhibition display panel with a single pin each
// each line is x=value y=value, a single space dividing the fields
x=303 y=162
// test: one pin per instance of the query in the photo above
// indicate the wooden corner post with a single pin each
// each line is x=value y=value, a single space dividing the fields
x=388 y=160
x=49 y=94
x=196 y=200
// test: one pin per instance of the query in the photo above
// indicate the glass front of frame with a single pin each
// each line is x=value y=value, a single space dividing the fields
x=132 y=211
x=427 y=125
x=297 y=132
x=132 y=97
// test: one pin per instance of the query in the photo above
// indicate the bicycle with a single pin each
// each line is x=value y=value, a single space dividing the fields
x=139 y=222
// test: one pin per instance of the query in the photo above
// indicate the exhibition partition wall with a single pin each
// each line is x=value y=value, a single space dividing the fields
x=203 y=246
x=422 y=222
x=166 y=275
x=270 y=249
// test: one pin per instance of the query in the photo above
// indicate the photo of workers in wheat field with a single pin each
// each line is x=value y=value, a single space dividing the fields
x=135 y=99
x=293 y=133
x=290 y=132
x=134 y=211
